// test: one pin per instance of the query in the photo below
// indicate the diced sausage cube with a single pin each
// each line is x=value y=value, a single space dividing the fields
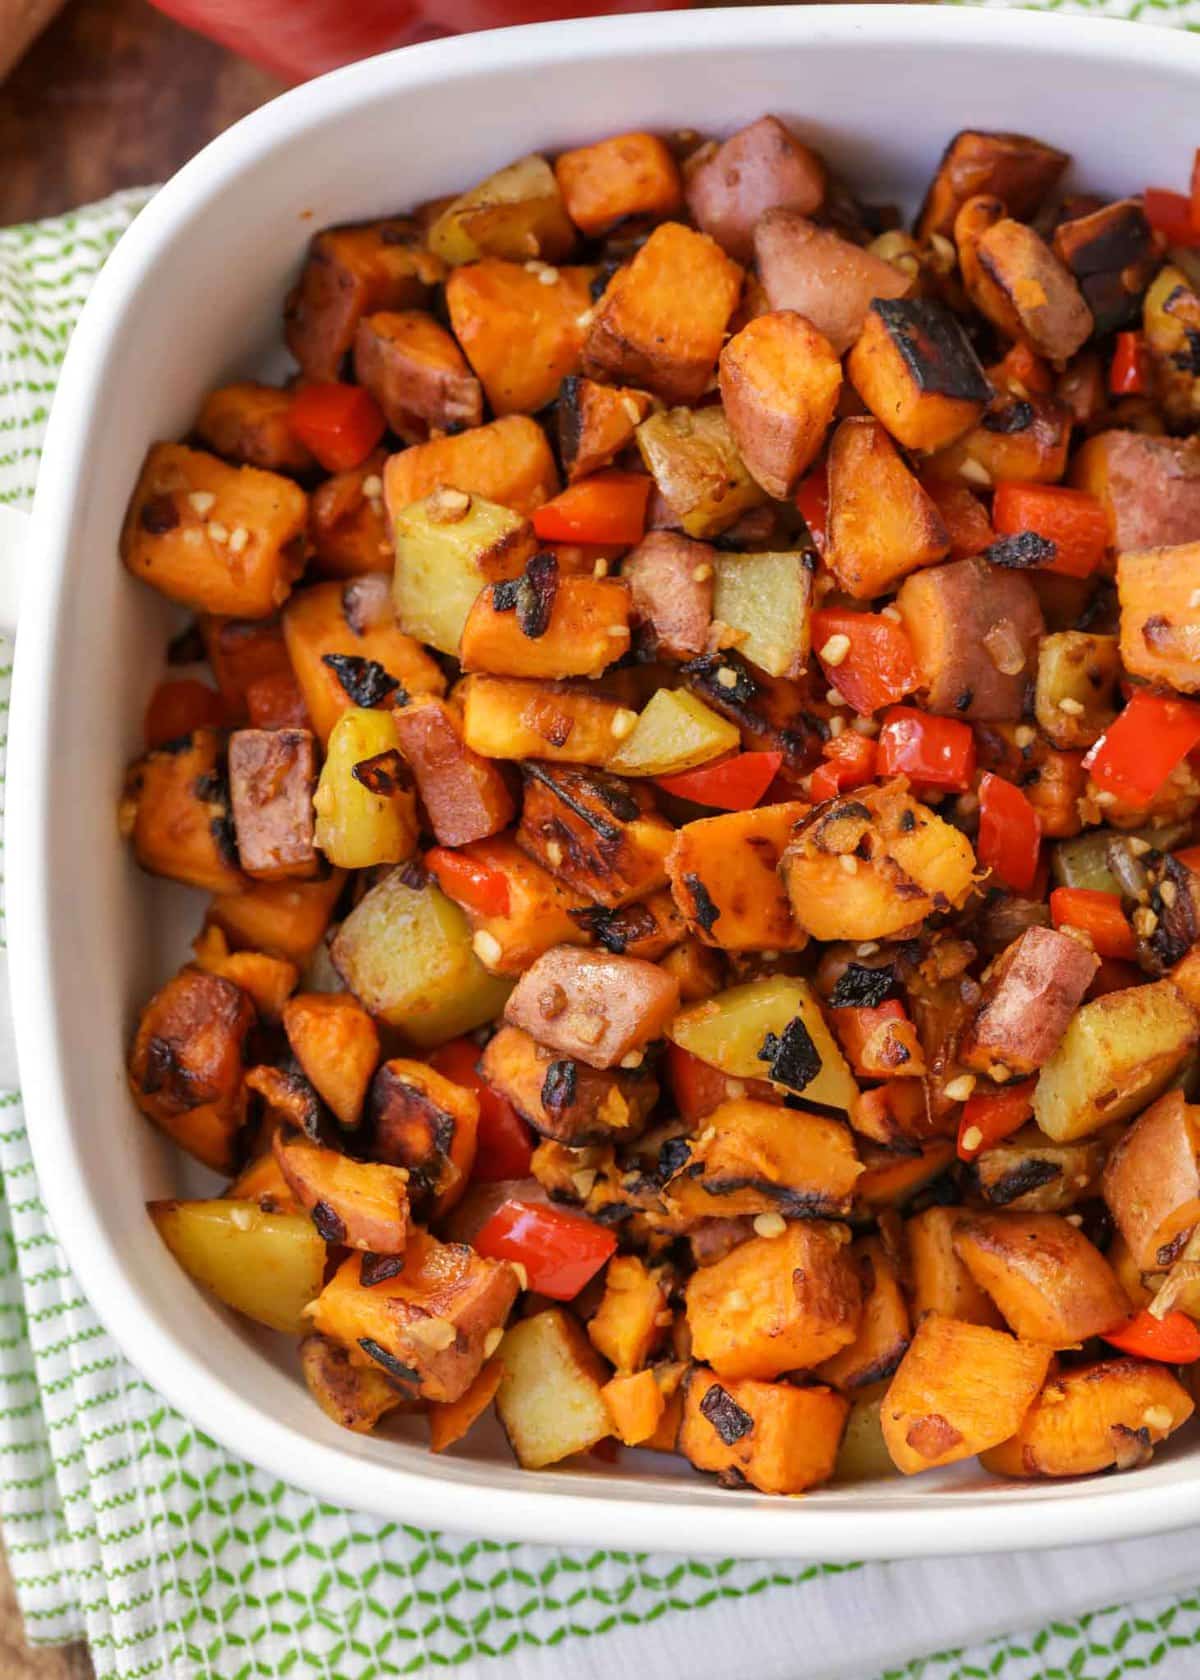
x=465 y=795
x=729 y=186
x=671 y=578
x=272 y=776
x=593 y=1006
x=1035 y=987
x=248 y=423
x=1149 y=486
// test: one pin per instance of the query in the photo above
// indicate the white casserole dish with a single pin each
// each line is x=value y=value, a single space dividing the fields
x=192 y=296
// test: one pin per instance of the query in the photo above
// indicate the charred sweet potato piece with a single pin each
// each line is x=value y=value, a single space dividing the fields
x=465 y=796
x=1096 y=1417
x=248 y=423
x=217 y=538
x=565 y=1099
x=1036 y=293
x=1153 y=1173
x=1050 y=1283
x=626 y=175
x=1160 y=622
x=551 y=1400
x=960 y=1389
x=894 y=1177
x=1030 y=1173
x=598 y=833
x=1113 y=256
x=974 y=630
x=175 y=809
x=768 y=711
x=272 y=777
x=1028 y=1000
x=337 y=1045
x=776 y=1303
x=1149 y=486
x=507 y=461
x=652 y=928
x=450 y=1420
x=1017 y=169
x=724 y=874
x=354 y=1204
x=351 y=272
x=671 y=583
x=780 y=380
x=544 y=625
x=628 y=1325
x=1024 y=438
x=881 y=525
x=661 y=322
x=821 y=276
x=596 y=422
x=885 y=1331
x=185 y=1068
x=268 y=980
x=242 y=651
x=520 y=330
x=354 y=1396
x=941 y=1284
x=421 y=1120
x=538 y=910
x=914 y=367
x=347 y=525
x=731 y=184
x=416 y=373
x=776 y=1438
x=759 y=1157
x=287 y=918
x=347 y=650
x=595 y=1007
x=427 y=1326
x=636 y=1404
x=505 y=717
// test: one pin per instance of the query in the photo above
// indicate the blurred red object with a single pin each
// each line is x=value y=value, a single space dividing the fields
x=297 y=39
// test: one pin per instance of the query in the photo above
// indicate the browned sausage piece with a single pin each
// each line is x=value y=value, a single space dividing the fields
x=1014 y=167
x=594 y=1007
x=272 y=776
x=465 y=796
x=1150 y=487
x=416 y=373
x=729 y=186
x=1035 y=987
x=350 y=272
x=975 y=630
x=671 y=578
x=826 y=279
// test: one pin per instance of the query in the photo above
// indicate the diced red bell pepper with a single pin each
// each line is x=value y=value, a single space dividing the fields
x=1010 y=833
x=850 y=763
x=812 y=499
x=608 y=507
x=1073 y=520
x=964 y=516
x=856 y=1025
x=1170 y=214
x=1113 y=975
x=468 y=882
x=560 y=1251
x=1129 y=370
x=1174 y=1338
x=1195 y=195
x=879 y=667
x=276 y=702
x=503 y=1143
x=340 y=424
x=1189 y=857
x=1099 y=914
x=731 y=784
x=697 y=1087
x=1022 y=370
x=990 y=1116
x=179 y=706
x=933 y=752
x=1136 y=754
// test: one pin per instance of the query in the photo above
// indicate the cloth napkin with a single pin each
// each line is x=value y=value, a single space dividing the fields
x=128 y=1527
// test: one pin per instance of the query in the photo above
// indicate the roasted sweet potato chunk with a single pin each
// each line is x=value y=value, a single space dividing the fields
x=731 y=184
x=337 y=1045
x=1153 y=1173
x=884 y=1333
x=628 y=1325
x=416 y=373
x=268 y=980
x=347 y=524
x=941 y=1284
x=185 y=1068
x=671 y=583
x=544 y=625
x=422 y=1121
x=1023 y=438
x=508 y=462
x=272 y=777
x=520 y=330
x=287 y=918
x=776 y=1438
x=465 y=796
x=1160 y=621
x=1149 y=486
x=505 y=717
x=758 y=1157
x=1098 y=1417
x=626 y=175
x=780 y=380
x=450 y=1420
x=1112 y=254
x=175 y=808
x=1013 y=167
x=914 y=367
x=635 y=1404
x=595 y=1007
x=882 y=524
x=652 y=928
x=351 y=272
x=974 y=629
x=1015 y=279
x=596 y=422
x=566 y=1099
x=248 y=423
x=600 y=834
x=1030 y=1173
x=354 y=1396
x=821 y=276
x=1049 y=1282
x=357 y=1204
x=1033 y=990
x=725 y=879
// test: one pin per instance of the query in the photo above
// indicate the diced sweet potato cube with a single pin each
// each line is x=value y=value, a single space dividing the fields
x=731 y=184
x=671 y=579
x=780 y=380
x=724 y=874
x=882 y=525
x=539 y=912
x=426 y=1123
x=598 y=833
x=1023 y=438
x=427 y=1326
x=940 y=1282
x=416 y=373
x=268 y=980
x=596 y=1007
x=248 y=423
x=450 y=1420
x=354 y=1204
x=337 y=1045
x=651 y=928
x=759 y=1157
x=1039 y=296
x=288 y=918
x=1096 y=1417
x=627 y=1325
x=1030 y=1173
x=272 y=776
x=185 y=1068
x=635 y=1405
x=1033 y=990
x=914 y=367
x=974 y=630
x=1113 y=253
x=884 y=1331
x=661 y=322
x=1160 y=622
x=544 y=625
x=1050 y=1283
x=1149 y=486
x=521 y=335
x=776 y=1303
x=347 y=524
x=242 y=651
x=777 y=1438
x=551 y=1399
x=821 y=276
x=1152 y=1173
x=351 y=272
x=507 y=461
x=217 y=538
x=566 y=1099
x=627 y=175
x=505 y=717
x=175 y=809
x=596 y=422
x=960 y=1389
x=1015 y=168
x=352 y=1395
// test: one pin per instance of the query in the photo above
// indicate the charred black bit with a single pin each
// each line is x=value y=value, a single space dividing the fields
x=159 y=515
x=599 y=284
x=1171 y=901
x=908 y=820
x=378 y=1268
x=393 y=1366
x=178 y=744
x=504 y=595
x=729 y=1419
x=329 y=1223
x=187 y=648
x=703 y=909
x=364 y=681
x=385 y=774
x=559 y=1087
x=1015 y=417
x=1188 y=361
x=792 y=1055
x=1133 y=1447
x=557 y=778
x=704 y=669
x=568 y=419
x=863 y=988
x=672 y=1158
x=619 y=800
x=212 y=788
x=615 y=929
x=934 y=347
x=536 y=591
x=1025 y=548
x=1029 y=1175
x=414 y=875
x=165 y=1072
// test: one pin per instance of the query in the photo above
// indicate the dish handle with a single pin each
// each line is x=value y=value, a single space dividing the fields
x=14 y=545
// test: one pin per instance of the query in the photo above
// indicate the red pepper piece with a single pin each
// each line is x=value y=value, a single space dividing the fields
x=340 y=424
x=1010 y=833
x=179 y=706
x=1170 y=214
x=468 y=882
x=1129 y=371
x=990 y=1116
x=851 y=763
x=608 y=507
x=503 y=1145
x=879 y=667
x=1136 y=753
x=1174 y=1338
x=1073 y=520
x=732 y=784
x=1099 y=914
x=933 y=752
x=560 y=1251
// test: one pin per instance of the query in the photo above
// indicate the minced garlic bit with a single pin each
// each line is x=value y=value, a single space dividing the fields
x=633 y=1059
x=975 y=473
x=584 y=1181
x=849 y=863
x=623 y=723
x=1024 y=736
x=769 y=1225
x=894 y=613
x=734 y=1088
x=372 y=487
x=868 y=948
x=618 y=631
x=836 y=726
x=548 y=277
x=437 y=1334
x=960 y=1089
x=632 y=411
x=487 y=948
x=217 y=532
x=554 y=853
x=1072 y=707
x=835 y=650
x=242 y=1217
x=202 y=502
x=1168 y=892
x=1137 y=845
x=833 y=698
x=446 y=506
x=1104 y=797
x=522 y=1274
x=584 y=321
x=999 y=1073
x=238 y=538
x=492 y=1341
x=1157 y=1417
x=1144 y=922
x=1194 y=598
x=702 y=572
x=600 y=569
x=726 y=677
x=972 y=1138
x=865 y=726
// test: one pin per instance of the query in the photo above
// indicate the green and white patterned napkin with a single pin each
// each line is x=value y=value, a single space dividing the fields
x=128 y=1527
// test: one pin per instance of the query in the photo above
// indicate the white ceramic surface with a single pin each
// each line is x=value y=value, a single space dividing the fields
x=193 y=295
